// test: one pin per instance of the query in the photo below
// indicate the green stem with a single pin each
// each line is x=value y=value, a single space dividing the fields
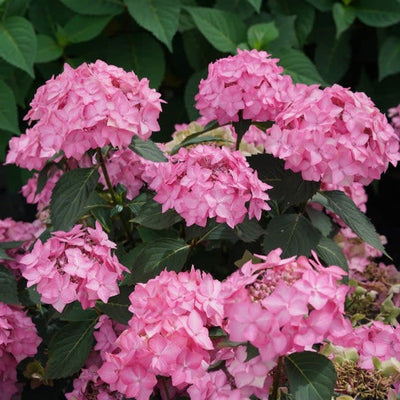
x=165 y=388
x=277 y=377
x=110 y=188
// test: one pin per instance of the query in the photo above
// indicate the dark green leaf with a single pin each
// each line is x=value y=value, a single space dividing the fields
x=154 y=257
x=252 y=352
x=322 y=5
x=293 y=233
x=288 y=187
x=331 y=253
x=320 y=220
x=69 y=349
x=117 y=307
x=74 y=312
x=70 y=196
x=196 y=139
x=4 y=255
x=389 y=57
x=191 y=89
x=224 y=30
x=212 y=231
x=378 y=13
x=337 y=202
x=287 y=34
x=16 y=7
x=81 y=28
x=29 y=296
x=95 y=7
x=160 y=17
x=151 y=216
x=8 y=286
x=138 y=202
x=8 y=109
x=147 y=149
x=299 y=66
x=18 y=43
x=152 y=235
x=311 y=376
x=343 y=17
x=260 y=35
x=47 y=49
x=249 y=230
x=256 y=4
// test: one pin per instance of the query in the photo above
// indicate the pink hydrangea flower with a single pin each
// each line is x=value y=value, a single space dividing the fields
x=206 y=182
x=249 y=83
x=18 y=340
x=74 y=265
x=335 y=136
x=394 y=115
x=88 y=107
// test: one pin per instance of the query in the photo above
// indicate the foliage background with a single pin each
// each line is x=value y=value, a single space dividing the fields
x=352 y=42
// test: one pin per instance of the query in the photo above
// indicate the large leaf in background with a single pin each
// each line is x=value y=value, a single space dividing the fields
x=389 y=57
x=95 y=7
x=321 y=221
x=249 y=230
x=47 y=49
x=299 y=66
x=8 y=286
x=70 y=197
x=82 y=28
x=191 y=89
x=260 y=35
x=293 y=233
x=18 y=43
x=147 y=149
x=256 y=4
x=117 y=306
x=152 y=257
x=288 y=187
x=343 y=17
x=8 y=109
x=160 y=17
x=322 y=5
x=337 y=202
x=378 y=13
x=311 y=376
x=150 y=215
x=331 y=253
x=222 y=29
x=69 y=349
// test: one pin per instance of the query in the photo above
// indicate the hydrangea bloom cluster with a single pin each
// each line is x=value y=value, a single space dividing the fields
x=18 y=340
x=249 y=83
x=206 y=182
x=167 y=335
x=74 y=265
x=334 y=136
x=394 y=115
x=91 y=106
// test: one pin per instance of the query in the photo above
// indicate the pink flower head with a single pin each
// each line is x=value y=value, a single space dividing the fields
x=74 y=265
x=91 y=106
x=394 y=115
x=335 y=136
x=249 y=82
x=206 y=182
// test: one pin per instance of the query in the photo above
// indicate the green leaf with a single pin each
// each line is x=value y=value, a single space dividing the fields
x=251 y=351
x=82 y=28
x=151 y=216
x=311 y=376
x=256 y=4
x=332 y=55
x=288 y=187
x=224 y=30
x=47 y=49
x=293 y=233
x=304 y=21
x=259 y=35
x=320 y=220
x=18 y=43
x=337 y=202
x=95 y=7
x=287 y=34
x=322 y=5
x=299 y=66
x=16 y=7
x=249 y=230
x=389 y=57
x=160 y=17
x=8 y=286
x=191 y=89
x=70 y=196
x=147 y=149
x=8 y=109
x=117 y=307
x=74 y=312
x=212 y=231
x=69 y=349
x=331 y=253
x=343 y=17
x=377 y=13
x=154 y=257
